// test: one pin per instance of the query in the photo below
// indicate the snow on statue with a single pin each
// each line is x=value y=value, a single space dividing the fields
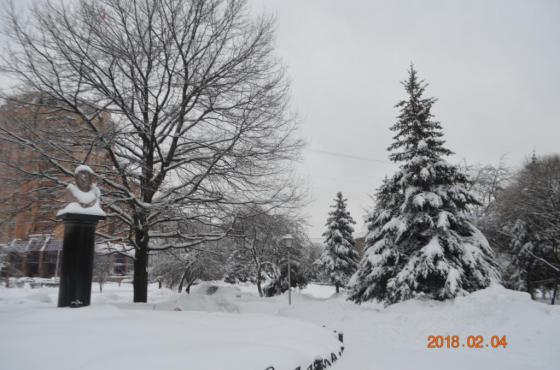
x=340 y=259
x=85 y=192
x=420 y=240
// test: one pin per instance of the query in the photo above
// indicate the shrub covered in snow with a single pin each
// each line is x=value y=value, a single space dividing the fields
x=277 y=278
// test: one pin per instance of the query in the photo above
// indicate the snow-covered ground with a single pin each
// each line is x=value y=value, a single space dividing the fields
x=235 y=329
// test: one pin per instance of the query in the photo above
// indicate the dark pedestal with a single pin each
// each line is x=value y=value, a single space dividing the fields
x=77 y=259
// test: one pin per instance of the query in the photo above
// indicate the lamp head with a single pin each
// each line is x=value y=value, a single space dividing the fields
x=288 y=239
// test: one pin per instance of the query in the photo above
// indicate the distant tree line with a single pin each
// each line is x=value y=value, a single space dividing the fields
x=254 y=252
x=520 y=215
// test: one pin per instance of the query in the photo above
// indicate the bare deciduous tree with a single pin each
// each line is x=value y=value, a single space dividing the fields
x=182 y=269
x=259 y=246
x=102 y=268
x=197 y=103
x=488 y=183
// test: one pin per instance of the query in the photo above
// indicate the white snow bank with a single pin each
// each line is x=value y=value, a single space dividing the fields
x=108 y=337
x=235 y=329
x=396 y=338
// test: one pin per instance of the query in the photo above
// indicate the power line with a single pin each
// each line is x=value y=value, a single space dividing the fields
x=349 y=156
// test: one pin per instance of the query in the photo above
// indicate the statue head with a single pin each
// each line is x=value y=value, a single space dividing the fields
x=84 y=177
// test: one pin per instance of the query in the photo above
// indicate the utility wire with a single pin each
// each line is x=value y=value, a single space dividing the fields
x=348 y=156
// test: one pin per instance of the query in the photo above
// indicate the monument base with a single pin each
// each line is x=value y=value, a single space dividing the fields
x=77 y=259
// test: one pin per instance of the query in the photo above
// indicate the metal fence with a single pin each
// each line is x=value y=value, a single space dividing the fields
x=322 y=363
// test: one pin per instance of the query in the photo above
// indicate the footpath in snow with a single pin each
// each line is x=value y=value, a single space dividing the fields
x=234 y=329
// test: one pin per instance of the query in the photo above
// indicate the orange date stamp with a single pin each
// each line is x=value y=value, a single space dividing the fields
x=471 y=341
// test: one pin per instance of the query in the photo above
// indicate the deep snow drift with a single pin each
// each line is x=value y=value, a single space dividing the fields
x=116 y=336
x=234 y=329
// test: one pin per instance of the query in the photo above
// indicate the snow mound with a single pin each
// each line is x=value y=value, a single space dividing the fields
x=40 y=296
x=235 y=329
x=106 y=337
x=205 y=297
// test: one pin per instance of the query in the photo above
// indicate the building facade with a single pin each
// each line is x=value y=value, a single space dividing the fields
x=30 y=235
x=40 y=256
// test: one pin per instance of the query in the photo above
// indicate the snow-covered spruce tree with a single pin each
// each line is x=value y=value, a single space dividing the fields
x=523 y=269
x=528 y=212
x=339 y=259
x=420 y=240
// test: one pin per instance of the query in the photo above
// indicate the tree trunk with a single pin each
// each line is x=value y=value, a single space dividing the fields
x=531 y=290
x=182 y=281
x=259 y=283
x=140 y=270
x=555 y=293
x=188 y=288
x=259 y=288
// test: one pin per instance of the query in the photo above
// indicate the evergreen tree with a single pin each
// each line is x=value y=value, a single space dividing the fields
x=524 y=268
x=529 y=212
x=340 y=259
x=420 y=240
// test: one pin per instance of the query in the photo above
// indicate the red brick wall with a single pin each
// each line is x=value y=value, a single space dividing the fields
x=23 y=210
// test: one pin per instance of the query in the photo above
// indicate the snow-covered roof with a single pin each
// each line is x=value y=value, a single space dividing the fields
x=47 y=243
x=18 y=245
x=35 y=243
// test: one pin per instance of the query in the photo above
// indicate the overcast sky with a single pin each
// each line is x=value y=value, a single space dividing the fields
x=493 y=65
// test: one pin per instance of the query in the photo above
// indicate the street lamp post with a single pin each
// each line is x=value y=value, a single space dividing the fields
x=289 y=280
x=289 y=239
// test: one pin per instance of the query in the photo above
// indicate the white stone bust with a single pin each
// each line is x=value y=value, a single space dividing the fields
x=86 y=193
